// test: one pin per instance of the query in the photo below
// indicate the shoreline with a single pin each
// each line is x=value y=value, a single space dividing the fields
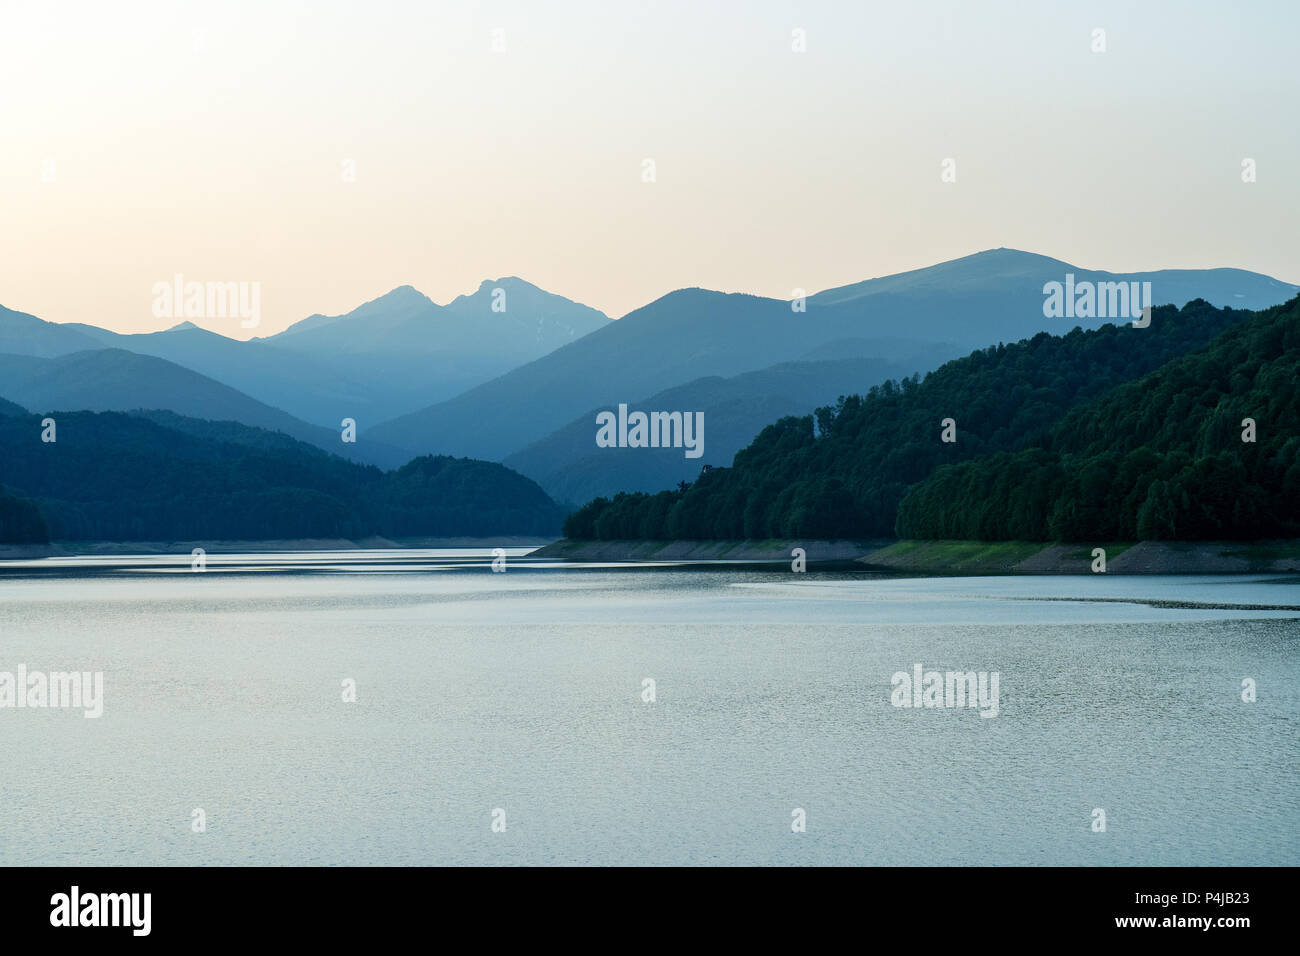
x=886 y=556
x=956 y=557
x=73 y=549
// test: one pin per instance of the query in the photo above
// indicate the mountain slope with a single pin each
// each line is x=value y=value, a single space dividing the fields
x=528 y=323
x=693 y=333
x=120 y=477
x=363 y=328
x=1159 y=458
x=118 y=380
x=846 y=477
x=21 y=521
x=386 y=357
x=535 y=321
x=412 y=351
x=999 y=271
x=25 y=334
x=571 y=468
x=306 y=388
x=686 y=335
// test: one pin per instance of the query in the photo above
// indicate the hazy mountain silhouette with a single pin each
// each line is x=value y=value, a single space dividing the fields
x=534 y=320
x=386 y=357
x=998 y=271
x=118 y=380
x=997 y=295
x=25 y=334
x=921 y=354
x=967 y=303
x=305 y=388
x=843 y=471
x=490 y=383
x=411 y=351
x=569 y=466
x=688 y=334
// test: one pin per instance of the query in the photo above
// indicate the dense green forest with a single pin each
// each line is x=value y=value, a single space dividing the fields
x=1164 y=457
x=157 y=477
x=843 y=472
x=21 y=521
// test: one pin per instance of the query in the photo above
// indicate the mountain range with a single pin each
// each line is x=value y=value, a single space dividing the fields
x=164 y=477
x=1186 y=428
x=405 y=349
x=383 y=358
x=516 y=374
x=915 y=320
x=572 y=470
x=117 y=380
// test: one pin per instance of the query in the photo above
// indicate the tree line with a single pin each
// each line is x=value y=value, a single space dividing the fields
x=111 y=476
x=1206 y=447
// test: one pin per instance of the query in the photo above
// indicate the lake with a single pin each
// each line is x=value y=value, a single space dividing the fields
x=521 y=698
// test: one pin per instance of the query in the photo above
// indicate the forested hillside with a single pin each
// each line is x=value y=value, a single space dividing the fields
x=21 y=521
x=569 y=466
x=1165 y=457
x=117 y=477
x=843 y=472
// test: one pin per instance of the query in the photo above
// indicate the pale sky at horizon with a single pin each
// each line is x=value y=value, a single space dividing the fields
x=209 y=140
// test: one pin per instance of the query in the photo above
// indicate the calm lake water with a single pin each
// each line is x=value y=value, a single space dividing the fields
x=523 y=691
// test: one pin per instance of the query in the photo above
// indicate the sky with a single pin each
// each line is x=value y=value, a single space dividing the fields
x=331 y=151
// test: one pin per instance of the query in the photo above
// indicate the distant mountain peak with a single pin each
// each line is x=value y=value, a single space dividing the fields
x=508 y=283
x=403 y=294
x=406 y=298
x=181 y=326
x=401 y=302
x=512 y=285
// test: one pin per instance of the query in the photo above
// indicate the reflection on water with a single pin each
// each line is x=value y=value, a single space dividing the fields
x=523 y=691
